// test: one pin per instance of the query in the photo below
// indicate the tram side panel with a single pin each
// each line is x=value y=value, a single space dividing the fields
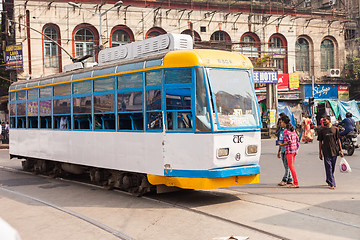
x=134 y=152
x=186 y=151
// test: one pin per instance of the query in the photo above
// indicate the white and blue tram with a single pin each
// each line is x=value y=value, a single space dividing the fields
x=144 y=117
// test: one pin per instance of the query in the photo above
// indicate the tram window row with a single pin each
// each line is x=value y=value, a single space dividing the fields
x=128 y=102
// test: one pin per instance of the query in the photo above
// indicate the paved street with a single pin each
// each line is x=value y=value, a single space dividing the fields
x=311 y=212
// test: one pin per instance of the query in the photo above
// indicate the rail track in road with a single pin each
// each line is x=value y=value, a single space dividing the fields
x=176 y=204
x=297 y=212
x=64 y=210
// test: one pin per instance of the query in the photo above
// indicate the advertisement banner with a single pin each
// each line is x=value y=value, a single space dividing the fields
x=289 y=96
x=14 y=57
x=283 y=82
x=294 y=81
x=32 y=109
x=260 y=87
x=272 y=117
x=343 y=91
x=265 y=77
x=45 y=107
x=322 y=91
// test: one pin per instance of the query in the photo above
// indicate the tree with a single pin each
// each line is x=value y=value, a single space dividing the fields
x=4 y=85
x=264 y=61
x=352 y=70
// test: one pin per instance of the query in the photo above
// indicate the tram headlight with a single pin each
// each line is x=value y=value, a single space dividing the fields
x=223 y=152
x=251 y=149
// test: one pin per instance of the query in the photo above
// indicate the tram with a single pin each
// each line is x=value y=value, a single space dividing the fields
x=151 y=114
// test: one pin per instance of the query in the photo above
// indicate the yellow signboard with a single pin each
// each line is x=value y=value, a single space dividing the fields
x=272 y=117
x=294 y=80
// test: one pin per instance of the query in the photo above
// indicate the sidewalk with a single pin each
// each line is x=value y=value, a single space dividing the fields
x=4 y=146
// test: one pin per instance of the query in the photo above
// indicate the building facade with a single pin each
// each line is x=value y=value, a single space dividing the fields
x=306 y=37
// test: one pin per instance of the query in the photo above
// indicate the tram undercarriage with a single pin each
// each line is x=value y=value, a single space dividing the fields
x=135 y=183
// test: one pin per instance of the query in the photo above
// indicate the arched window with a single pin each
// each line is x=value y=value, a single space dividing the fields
x=302 y=55
x=154 y=32
x=220 y=39
x=84 y=43
x=250 y=45
x=220 y=36
x=121 y=35
x=278 y=50
x=51 y=50
x=327 y=55
x=196 y=35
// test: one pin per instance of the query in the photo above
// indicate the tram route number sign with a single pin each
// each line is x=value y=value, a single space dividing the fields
x=14 y=57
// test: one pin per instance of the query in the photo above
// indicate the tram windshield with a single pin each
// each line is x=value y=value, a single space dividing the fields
x=235 y=99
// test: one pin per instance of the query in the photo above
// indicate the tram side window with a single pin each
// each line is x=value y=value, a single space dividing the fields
x=45 y=92
x=61 y=90
x=130 y=81
x=202 y=121
x=106 y=84
x=62 y=114
x=82 y=112
x=153 y=78
x=12 y=96
x=178 y=76
x=21 y=95
x=82 y=87
x=21 y=115
x=104 y=112
x=130 y=111
x=32 y=113
x=12 y=109
x=12 y=115
x=178 y=109
x=153 y=109
x=12 y=122
x=33 y=94
x=45 y=114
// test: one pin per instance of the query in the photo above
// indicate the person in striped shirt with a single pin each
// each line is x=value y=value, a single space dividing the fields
x=291 y=144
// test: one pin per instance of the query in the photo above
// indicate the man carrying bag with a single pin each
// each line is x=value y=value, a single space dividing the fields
x=329 y=147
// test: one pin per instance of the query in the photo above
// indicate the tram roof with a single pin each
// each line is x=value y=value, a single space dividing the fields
x=172 y=59
x=206 y=57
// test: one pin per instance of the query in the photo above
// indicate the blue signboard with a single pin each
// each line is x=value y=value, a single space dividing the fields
x=265 y=77
x=322 y=91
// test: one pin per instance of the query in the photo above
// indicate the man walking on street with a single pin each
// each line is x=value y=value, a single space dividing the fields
x=329 y=147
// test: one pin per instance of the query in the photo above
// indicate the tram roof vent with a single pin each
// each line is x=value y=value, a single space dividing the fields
x=155 y=45
x=73 y=66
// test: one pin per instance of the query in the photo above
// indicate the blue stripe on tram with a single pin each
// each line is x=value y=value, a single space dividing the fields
x=214 y=173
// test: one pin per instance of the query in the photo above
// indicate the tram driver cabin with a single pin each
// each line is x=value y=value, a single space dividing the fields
x=152 y=113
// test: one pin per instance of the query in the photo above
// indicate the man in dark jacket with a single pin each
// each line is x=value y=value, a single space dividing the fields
x=349 y=124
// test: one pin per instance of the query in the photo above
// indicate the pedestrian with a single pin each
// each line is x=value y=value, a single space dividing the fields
x=287 y=178
x=7 y=131
x=277 y=131
x=303 y=116
x=291 y=144
x=329 y=148
x=307 y=135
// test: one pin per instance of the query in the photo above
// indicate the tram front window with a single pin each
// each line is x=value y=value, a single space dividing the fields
x=234 y=98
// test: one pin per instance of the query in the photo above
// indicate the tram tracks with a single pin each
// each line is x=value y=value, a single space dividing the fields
x=80 y=216
x=205 y=213
x=148 y=198
x=297 y=212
